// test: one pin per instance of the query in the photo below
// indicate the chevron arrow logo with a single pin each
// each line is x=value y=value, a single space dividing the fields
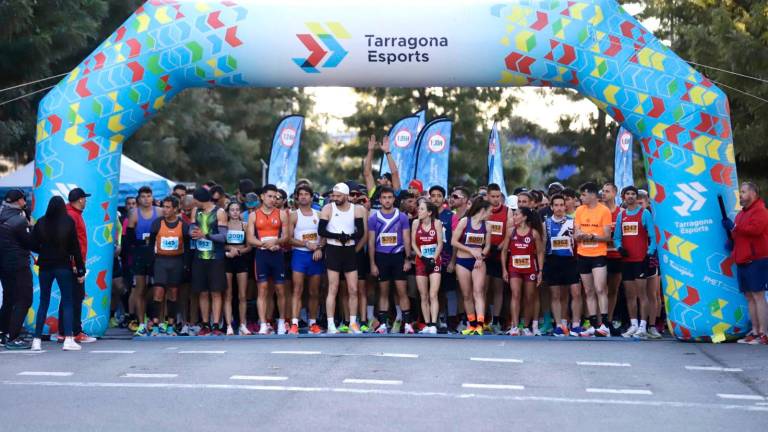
x=690 y=198
x=322 y=44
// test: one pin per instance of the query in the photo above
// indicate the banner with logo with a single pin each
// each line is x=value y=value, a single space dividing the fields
x=622 y=165
x=284 y=158
x=433 y=153
x=496 y=160
x=402 y=144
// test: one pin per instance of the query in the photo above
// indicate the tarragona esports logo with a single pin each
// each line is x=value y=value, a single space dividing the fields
x=325 y=50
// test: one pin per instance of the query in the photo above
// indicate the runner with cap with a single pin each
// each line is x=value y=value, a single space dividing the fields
x=390 y=179
x=139 y=230
x=342 y=224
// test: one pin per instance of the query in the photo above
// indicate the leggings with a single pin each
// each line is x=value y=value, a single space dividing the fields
x=66 y=281
x=17 y=297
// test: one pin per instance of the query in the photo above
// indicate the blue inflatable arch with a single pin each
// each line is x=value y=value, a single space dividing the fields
x=592 y=46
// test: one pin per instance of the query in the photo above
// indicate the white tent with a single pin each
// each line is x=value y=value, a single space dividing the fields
x=132 y=177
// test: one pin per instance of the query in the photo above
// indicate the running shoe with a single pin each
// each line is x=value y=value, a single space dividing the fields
x=17 y=344
x=653 y=333
x=141 y=331
x=315 y=329
x=748 y=338
x=588 y=332
x=616 y=328
x=514 y=331
x=470 y=330
x=265 y=329
x=71 y=345
x=155 y=331
x=133 y=325
x=432 y=329
x=243 y=330
x=216 y=330
x=487 y=328
x=630 y=331
x=419 y=326
x=343 y=328
x=479 y=330
x=294 y=330
x=560 y=331
x=170 y=330
x=461 y=327
x=381 y=329
x=763 y=339
x=36 y=344
x=408 y=329
x=3 y=339
x=527 y=332
x=496 y=329
x=354 y=328
x=204 y=330
x=230 y=330
x=537 y=332
x=577 y=331
x=332 y=329
x=603 y=331
x=113 y=322
x=641 y=333
x=396 y=326
x=184 y=330
x=281 y=330
x=365 y=328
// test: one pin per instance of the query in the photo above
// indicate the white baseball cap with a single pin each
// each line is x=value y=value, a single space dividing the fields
x=512 y=202
x=341 y=188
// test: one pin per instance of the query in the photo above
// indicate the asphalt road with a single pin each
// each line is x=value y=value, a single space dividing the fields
x=394 y=383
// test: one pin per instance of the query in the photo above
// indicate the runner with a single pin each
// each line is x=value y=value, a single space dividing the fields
x=636 y=245
x=139 y=227
x=427 y=239
x=342 y=224
x=266 y=235
x=364 y=279
x=447 y=277
x=459 y=204
x=180 y=191
x=209 y=231
x=497 y=222
x=524 y=199
x=652 y=282
x=593 y=228
x=390 y=179
x=307 y=259
x=237 y=254
x=389 y=235
x=471 y=243
x=522 y=260
x=169 y=239
x=560 y=269
x=571 y=201
x=614 y=259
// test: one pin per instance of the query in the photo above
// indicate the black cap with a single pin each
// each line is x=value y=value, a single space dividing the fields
x=77 y=193
x=202 y=195
x=387 y=175
x=14 y=195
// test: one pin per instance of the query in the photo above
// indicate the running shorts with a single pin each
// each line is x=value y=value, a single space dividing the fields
x=270 y=265
x=302 y=262
x=390 y=266
x=341 y=259
x=561 y=270
x=208 y=275
x=587 y=264
x=168 y=271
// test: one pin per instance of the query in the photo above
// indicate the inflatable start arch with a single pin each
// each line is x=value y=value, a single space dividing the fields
x=592 y=46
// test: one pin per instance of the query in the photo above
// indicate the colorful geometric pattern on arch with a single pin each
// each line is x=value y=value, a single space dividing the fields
x=681 y=118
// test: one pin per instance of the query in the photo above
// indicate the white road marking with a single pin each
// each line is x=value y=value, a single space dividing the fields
x=398 y=393
x=398 y=355
x=620 y=391
x=297 y=352
x=371 y=381
x=112 y=352
x=493 y=386
x=172 y=348
x=761 y=403
x=257 y=378
x=740 y=396
x=202 y=352
x=22 y=352
x=714 y=369
x=40 y=373
x=495 y=360
x=148 y=375
x=606 y=364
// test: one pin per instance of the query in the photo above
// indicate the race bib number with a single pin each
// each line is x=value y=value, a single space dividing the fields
x=389 y=239
x=589 y=244
x=266 y=239
x=475 y=239
x=428 y=251
x=522 y=262
x=204 y=245
x=310 y=236
x=169 y=243
x=497 y=228
x=235 y=237
x=561 y=243
x=630 y=228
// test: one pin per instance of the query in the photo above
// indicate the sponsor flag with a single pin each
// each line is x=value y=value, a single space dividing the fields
x=622 y=166
x=433 y=153
x=496 y=160
x=284 y=158
x=402 y=140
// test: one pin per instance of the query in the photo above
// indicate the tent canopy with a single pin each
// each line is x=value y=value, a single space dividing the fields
x=132 y=177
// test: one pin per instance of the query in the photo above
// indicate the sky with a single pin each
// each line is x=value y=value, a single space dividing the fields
x=537 y=105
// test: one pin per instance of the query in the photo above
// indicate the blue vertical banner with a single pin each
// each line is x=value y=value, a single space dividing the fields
x=284 y=159
x=402 y=140
x=622 y=165
x=433 y=153
x=496 y=160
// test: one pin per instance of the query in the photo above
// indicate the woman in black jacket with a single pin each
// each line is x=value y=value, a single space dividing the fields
x=60 y=260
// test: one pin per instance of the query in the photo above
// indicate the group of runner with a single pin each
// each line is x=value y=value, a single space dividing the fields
x=475 y=263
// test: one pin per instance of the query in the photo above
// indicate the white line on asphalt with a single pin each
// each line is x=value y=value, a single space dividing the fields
x=493 y=386
x=148 y=375
x=372 y=381
x=391 y=392
x=740 y=396
x=495 y=360
x=172 y=348
x=606 y=364
x=761 y=403
x=398 y=355
x=620 y=391
x=38 y=373
x=298 y=352
x=257 y=378
x=714 y=369
x=22 y=352
x=202 y=352
x=112 y=352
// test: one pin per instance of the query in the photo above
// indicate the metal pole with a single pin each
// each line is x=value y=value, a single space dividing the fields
x=264 y=167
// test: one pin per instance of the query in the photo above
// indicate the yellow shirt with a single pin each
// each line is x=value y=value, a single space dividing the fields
x=592 y=221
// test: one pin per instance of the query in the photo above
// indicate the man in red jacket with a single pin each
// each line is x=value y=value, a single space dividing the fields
x=75 y=209
x=750 y=251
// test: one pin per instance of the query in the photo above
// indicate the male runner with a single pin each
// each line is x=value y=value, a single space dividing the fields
x=140 y=224
x=613 y=258
x=497 y=222
x=391 y=179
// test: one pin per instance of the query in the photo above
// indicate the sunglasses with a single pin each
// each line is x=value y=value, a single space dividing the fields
x=454 y=196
